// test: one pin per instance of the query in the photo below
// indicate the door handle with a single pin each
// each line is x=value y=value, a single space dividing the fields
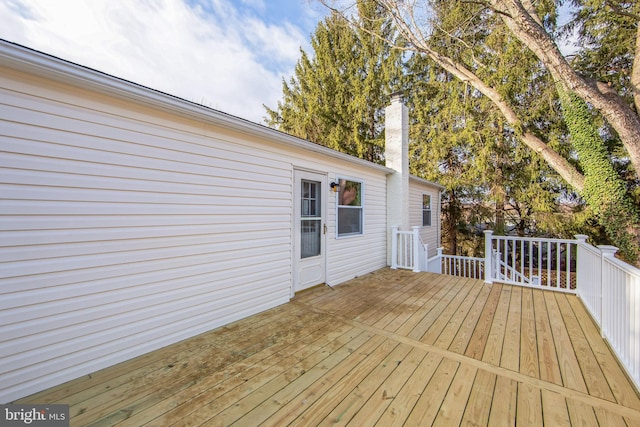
x=325 y=228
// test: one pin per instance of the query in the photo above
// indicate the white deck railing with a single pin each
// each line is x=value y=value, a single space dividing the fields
x=534 y=262
x=461 y=266
x=608 y=287
x=620 y=317
x=407 y=250
x=589 y=277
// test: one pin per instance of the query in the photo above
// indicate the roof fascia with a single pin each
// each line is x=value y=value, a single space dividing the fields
x=424 y=181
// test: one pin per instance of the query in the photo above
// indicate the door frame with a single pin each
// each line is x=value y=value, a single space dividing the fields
x=300 y=174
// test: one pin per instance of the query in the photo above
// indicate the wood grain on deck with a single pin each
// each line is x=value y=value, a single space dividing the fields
x=389 y=348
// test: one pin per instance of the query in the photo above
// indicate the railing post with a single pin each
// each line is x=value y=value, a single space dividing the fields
x=488 y=251
x=581 y=240
x=438 y=268
x=605 y=251
x=416 y=249
x=394 y=247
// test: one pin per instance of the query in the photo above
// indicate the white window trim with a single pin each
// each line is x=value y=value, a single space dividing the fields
x=362 y=206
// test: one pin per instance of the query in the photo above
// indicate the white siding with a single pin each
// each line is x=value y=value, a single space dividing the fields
x=121 y=236
x=430 y=234
x=354 y=256
x=125 y=229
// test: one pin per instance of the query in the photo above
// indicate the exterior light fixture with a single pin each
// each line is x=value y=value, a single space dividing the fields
x=335 y=186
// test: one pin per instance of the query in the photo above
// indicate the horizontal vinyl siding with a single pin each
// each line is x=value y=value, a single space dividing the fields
x=431 y=234
x=123 y=232
x=354 y=256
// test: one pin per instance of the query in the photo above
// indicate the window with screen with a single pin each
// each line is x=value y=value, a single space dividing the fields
x=349 y=208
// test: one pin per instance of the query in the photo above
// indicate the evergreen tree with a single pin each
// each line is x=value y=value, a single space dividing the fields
x=464 y=142
x=338 y=94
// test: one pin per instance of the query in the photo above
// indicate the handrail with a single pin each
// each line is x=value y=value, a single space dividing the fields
x=512 y=272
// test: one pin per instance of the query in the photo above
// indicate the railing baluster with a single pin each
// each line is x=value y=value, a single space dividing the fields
x=550 y=264
x=558 y=254
x=522 y=266
x=539 y=263
x=514 y=248
x=567 y=269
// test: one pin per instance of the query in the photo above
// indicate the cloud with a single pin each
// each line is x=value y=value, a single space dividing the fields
x=206 y=51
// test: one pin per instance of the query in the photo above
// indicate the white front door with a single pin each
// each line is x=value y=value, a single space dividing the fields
x=309 y=229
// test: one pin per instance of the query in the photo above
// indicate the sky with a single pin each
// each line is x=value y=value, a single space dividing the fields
x=231 y=55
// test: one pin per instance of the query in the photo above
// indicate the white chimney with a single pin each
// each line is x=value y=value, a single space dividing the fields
x=397 y=158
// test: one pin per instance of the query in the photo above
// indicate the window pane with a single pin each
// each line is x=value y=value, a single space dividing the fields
x=350 y=193
x=310 y=238
x=426 y=218
x=349 y=221
x=310 y=199
x=426 y=201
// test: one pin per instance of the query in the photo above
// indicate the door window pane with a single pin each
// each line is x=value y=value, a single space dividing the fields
x=310 y=238
x=311 y=221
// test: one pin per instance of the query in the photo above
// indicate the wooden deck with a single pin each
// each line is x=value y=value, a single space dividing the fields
x=389 y=348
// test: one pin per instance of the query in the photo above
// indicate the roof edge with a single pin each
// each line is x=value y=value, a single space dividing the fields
x=23 y=58
x=424 y=181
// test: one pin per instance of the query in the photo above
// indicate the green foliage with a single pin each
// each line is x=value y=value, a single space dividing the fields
x=461 y=140
x=457 y=136
x=338 y=94
x=606 y=31
x=604 y=191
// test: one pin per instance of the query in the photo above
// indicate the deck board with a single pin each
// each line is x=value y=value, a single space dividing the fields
x=572 y=376
x=389 y=348
x=548 y=357
x=478 y=406
x=556 y=412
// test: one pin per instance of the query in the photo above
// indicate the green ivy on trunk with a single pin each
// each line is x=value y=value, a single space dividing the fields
x=604 y=191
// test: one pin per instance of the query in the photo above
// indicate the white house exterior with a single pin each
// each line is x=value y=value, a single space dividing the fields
x=131 y=219
x=424 y=212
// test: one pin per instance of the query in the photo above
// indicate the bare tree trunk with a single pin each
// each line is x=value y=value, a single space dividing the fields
x=500 y=227
x=498 y=186
x=622 y=118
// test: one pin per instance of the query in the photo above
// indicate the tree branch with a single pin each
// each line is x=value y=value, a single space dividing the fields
x=619 y=115
x=619 y=11
x=408 y=28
